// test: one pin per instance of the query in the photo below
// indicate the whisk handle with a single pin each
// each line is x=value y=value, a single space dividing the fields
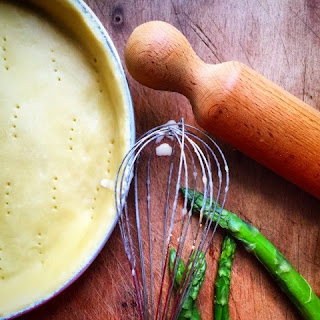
x=233 y=102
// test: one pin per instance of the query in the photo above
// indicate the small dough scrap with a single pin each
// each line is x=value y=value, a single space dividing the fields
x=164 y=150
x=106 y=183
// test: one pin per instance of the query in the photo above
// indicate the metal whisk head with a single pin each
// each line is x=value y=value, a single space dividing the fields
x=153 y=219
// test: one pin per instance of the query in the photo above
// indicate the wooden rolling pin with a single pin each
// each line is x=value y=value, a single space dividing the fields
x=233 y=102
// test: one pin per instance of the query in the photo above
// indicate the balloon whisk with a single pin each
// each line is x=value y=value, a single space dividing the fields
x=154 y=216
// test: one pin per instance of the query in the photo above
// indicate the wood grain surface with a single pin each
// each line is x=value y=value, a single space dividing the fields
x=281 y=40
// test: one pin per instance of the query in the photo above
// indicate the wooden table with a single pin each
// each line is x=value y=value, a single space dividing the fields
x=281 y=40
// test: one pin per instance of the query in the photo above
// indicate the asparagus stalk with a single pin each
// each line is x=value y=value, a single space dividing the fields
x=223 y=279
x=289 y=280
x=189 y=309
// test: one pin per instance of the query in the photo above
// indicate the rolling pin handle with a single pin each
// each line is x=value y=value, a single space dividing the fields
x=160 y=57
x=233 y=102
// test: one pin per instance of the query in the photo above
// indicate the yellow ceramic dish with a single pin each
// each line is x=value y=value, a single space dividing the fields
x=66 y=121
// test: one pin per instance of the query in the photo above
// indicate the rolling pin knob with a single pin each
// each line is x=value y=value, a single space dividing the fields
x=233 y=102
x=159 y=57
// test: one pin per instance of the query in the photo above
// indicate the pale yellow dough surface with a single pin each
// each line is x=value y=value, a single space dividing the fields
x=59 y=137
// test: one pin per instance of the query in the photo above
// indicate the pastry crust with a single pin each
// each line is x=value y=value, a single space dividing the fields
x=60 y=135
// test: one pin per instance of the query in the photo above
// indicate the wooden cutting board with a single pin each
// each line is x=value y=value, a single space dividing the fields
x=281 y=40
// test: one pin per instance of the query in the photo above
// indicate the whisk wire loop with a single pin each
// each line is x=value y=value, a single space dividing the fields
x=160 y=223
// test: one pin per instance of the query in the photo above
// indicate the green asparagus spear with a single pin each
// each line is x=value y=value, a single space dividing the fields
x=222 y=283
x=189 y=309
x=289 y=280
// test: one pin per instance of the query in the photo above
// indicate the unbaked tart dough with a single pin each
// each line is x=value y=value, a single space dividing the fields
x=62 y=131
